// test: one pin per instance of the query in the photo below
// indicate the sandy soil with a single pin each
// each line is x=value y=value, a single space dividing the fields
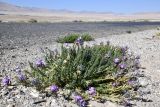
x=71 y=17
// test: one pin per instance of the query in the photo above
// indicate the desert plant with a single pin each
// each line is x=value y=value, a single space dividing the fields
x=32 y=21
x=77 y=21
x=128 y=31
x=68 y=39
x=87 y=37
x=105 y=68
x=158 y=34
x=73 y=37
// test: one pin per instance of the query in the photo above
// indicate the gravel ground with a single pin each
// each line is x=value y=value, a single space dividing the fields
x=29 y=38
x=20 y=43
x=17 y=35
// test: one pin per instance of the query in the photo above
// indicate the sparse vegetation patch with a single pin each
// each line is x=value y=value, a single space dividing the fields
x=158 y=34
x=73 y=37
x=32 y=21
x=129 y=32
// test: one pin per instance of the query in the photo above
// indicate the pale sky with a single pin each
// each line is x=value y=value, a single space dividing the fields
x=116 y=6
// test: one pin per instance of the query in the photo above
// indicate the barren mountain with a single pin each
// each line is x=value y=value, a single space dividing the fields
x=10 y=12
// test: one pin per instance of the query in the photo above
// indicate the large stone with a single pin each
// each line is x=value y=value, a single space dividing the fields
x=11 y=105
x=106 y=104
x=34 y=93
x=143 y=81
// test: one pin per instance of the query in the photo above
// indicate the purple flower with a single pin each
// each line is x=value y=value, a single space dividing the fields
x=82 y=103
x=130 y=82
x=79 y=41
x=116 y=60
x=115 y=84
x=6 y=80
x=66 y=44
x=78 y=98
x=122 y=66
x=92 y=91
x=133 y=83
x=124 y=49
x=124 y=58
x=40 y=63
x=54 y=88
x=21 y=77
x=18 y=70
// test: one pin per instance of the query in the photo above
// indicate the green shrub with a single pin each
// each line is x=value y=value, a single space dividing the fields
x=87 y=37
x=77 y=21
x=78 y=67
x=73 y=37
x=33 y=21
x=158 y=34
x=129 y=32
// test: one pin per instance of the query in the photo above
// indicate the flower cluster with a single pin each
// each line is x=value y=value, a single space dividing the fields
x=124 y=49
x=18 y=70
x=80 y=101
x=115 y=84
x=54 y=88
x=79 y=41
x=92 y=91
x=21 y=76
x=116 y=60
x=40 y=63
x=122 y=66
x=6 y=81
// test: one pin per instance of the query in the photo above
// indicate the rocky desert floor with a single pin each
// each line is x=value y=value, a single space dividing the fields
x=23 y=42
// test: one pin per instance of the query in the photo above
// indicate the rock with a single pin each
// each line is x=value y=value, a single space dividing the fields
x=40 y=101
x=1 y=105
x=26 y=49
x=42 y=95
x=48 y=103
x=22 y=92
x=11 y=100
x=143 y=91
x=106 y=104
x=34 y=93
x=5 y=92
x=13 y=56
x=47 y=89
x=143 y=81
x=11 y=105
x=54 y=103
x=18 y=96
x=11 y=87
